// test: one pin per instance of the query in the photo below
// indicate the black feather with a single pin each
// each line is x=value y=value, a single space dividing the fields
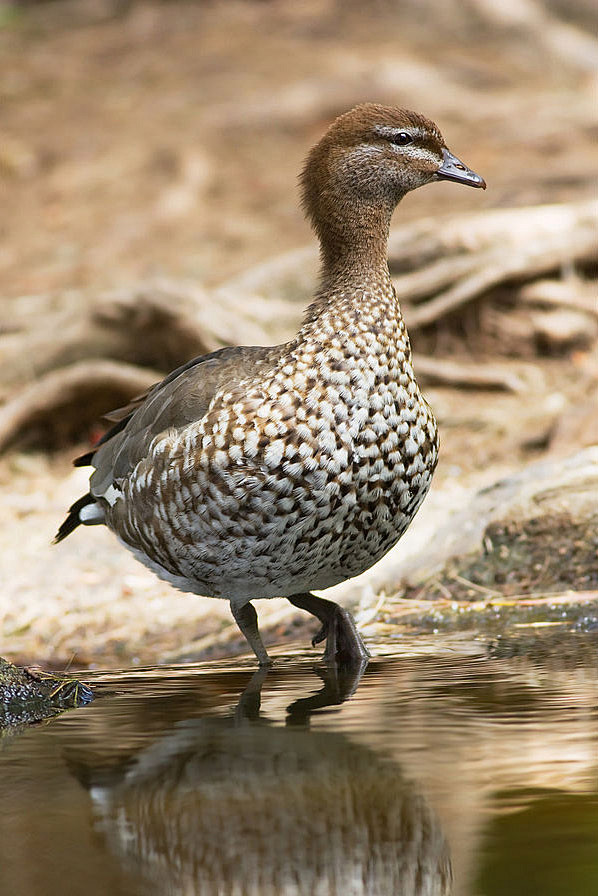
x=72 y=520
x=85 y=459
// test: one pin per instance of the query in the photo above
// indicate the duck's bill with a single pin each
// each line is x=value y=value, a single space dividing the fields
x=453 y=168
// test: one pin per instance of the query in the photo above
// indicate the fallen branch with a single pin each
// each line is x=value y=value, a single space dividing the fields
x=89 y=389
x=571 y=293
x=159 y=325
x=493 y=230
x=509 y=247
x=473 y=376
x=439 y=266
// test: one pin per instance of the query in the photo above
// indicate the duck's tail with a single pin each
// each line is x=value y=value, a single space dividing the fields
x=85 y=511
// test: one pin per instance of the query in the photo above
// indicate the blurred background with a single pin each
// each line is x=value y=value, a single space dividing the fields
x=143 y=138
x=149 y=154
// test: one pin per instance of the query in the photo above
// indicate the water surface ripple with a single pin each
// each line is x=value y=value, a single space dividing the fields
x=445 y=770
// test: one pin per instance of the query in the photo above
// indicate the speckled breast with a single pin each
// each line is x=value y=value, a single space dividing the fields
x=296 y=482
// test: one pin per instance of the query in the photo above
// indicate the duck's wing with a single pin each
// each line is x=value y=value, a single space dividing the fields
x=183 y=397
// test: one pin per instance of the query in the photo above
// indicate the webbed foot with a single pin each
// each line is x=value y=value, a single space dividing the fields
x=343 y=641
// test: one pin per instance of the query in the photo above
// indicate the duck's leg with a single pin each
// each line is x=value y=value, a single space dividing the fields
x=343 y=641
x=246 y=618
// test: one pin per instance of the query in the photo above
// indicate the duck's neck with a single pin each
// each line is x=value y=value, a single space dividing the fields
x=355 y=282
x=356 y=294
x=354 y=250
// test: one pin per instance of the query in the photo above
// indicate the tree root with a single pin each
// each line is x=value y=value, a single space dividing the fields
x=100 y=358
x=61 y=404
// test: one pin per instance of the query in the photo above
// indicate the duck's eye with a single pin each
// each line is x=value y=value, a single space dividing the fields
x=401 y=139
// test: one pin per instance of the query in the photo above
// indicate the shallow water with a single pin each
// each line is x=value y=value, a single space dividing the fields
x=441 y=770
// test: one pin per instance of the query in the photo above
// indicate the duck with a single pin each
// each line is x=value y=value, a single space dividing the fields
x=276 y=471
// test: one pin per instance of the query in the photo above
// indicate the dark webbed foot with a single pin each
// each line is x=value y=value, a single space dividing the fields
x=343 y=641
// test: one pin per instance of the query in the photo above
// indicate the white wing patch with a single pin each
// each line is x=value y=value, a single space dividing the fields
x=112 y=495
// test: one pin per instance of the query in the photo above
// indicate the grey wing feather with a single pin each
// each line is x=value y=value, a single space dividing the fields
x=183 y=397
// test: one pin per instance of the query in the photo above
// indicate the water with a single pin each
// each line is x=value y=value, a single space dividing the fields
x=442 y=770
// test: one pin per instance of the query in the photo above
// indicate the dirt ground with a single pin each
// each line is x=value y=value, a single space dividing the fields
x=144 y=140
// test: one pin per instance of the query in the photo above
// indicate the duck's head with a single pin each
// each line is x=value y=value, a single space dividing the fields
x=369 y=158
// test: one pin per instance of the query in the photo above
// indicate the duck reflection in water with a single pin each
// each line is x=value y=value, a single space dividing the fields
x=240 y=806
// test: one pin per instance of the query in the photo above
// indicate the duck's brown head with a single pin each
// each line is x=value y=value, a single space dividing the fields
x=366 y=162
